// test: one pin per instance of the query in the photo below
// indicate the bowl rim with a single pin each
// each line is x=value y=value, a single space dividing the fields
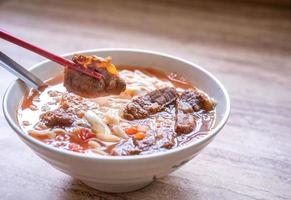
x=63 y=152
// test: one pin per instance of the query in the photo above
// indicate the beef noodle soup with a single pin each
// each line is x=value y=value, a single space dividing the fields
x=155 y=112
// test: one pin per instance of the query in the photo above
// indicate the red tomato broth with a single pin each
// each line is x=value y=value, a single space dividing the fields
x=161 y=125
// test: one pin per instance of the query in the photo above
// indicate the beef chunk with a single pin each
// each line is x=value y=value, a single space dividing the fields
x=165 y=139
x=185 y=122
x=87 y=86
x=151 y=103
x=205 y=102
x=189 y=102
x=57 y=118
x=196 y=100
x=134 y=111
x=152 y=143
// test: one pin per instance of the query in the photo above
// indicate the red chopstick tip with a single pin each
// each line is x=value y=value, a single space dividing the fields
x=86 y=71
x=62 y=61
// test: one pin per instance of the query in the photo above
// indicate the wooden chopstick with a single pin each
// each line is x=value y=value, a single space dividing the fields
x=62 y=61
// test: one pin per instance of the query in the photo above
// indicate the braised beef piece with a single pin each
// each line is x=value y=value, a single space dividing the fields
x=185 y=122
x=153 y=142
x=86 y=86
x=57 y=118
x=151 y=103
x=197 y=100
x=165 y=139
x=188 y=102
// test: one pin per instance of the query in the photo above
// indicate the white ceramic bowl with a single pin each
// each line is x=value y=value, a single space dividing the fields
x=127 y=173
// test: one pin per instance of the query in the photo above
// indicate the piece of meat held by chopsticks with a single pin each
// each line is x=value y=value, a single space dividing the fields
x=187 y=103
x=109 y=84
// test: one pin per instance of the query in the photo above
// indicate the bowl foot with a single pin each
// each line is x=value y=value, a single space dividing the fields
x=117 y=188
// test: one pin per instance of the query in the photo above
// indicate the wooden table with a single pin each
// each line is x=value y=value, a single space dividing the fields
x=247 y=45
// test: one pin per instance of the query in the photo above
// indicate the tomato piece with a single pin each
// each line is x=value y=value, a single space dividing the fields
x=131 y=131
x=85 y=134
x=139 y=135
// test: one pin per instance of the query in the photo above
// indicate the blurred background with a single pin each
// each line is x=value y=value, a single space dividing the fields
x=245 y=31
x=245 y=43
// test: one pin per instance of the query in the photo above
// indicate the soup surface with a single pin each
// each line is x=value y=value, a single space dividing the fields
x=111 y=125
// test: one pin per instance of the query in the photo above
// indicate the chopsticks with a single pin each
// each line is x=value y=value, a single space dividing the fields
x=62 y=61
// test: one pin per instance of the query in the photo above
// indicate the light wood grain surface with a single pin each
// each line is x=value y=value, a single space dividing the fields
x=247 y=45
